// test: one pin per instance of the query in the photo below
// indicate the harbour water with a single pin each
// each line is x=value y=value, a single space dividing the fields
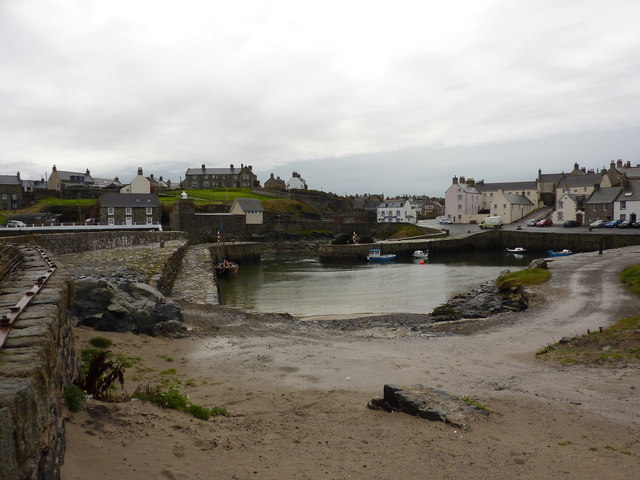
x=301 y=285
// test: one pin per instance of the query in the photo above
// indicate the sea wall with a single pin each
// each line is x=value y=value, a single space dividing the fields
x=85 y=241
x=536 y=241
x=37 y=361
x=239 y=252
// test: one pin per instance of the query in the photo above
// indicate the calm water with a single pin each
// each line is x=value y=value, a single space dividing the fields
x=302 y=286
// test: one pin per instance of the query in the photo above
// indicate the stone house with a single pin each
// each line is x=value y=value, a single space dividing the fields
x=129 y=209
x=275 y=183
x=11 y=192
x=204 y=178
x=599 y=205
x=61 y=179
x=251 y=208
x=396 y=210
x=463 y=201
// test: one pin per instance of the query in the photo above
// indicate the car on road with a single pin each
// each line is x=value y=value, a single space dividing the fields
x=15 y=223
x=532 y=222
x=597 y=224
x=613 y=223
x=545 y=222
x=570 y=223
x=625 y=224
x=446 y=221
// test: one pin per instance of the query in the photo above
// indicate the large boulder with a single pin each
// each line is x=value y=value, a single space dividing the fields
x=123 y=307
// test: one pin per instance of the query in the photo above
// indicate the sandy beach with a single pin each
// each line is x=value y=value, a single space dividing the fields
x=297 y=394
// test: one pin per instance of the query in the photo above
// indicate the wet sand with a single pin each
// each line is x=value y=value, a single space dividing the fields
x=297 y=394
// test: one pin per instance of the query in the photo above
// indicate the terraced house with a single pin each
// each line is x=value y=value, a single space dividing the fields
x=204 y=177
x=11 y=192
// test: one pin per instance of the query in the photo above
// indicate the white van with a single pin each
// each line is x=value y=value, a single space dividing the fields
x=492 y=222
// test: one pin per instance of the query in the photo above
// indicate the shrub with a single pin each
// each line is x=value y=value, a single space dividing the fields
x=174 y=399
x=74 y=397
x=98 y=375
x=101 y=342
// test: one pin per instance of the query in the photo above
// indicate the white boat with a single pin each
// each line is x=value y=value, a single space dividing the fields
x=375 y=255
x=421 y=254
x=560 y=253
x=516 y=250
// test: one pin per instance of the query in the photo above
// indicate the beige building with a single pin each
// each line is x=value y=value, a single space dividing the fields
x=140 y=184
x=251 y=208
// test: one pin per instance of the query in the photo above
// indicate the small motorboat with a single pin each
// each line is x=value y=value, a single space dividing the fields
x=375 y=255
x=516 y=250
x=421 y=254
x=226 y=266
x=559 y=253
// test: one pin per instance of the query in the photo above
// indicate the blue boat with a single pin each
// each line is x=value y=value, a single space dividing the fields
x=375 y=255
x=560 y=253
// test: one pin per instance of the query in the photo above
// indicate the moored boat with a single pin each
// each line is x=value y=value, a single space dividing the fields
x=516 y=250
x=559 y=253
x=375 y=255
x=225 y=267
x=421 y=254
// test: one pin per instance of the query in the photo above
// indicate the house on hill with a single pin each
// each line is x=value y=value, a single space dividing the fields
x=296 y=182
x=204 y=178
x=61 y=179
x=251 y=208
x=275 y=183
x=139 y=184
x=11 y=192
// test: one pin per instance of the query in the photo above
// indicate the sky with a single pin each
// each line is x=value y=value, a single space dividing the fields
x=392 y=97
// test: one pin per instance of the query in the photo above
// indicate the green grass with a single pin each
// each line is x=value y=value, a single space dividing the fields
x=406 y=231
x=174 y=399
x=218 y=195
x=101 y=342
x=631 y=277
x=474 y=403
x=526 y=277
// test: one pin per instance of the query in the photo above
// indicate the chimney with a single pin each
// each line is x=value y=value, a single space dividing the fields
x=88 y=173
x=231 y=167
x=251 y=167
x=139 y=170
x=471 y=182
x=203 y=168
x=272 y=175
x=151 y=176
x=462 y=180
x=628 y=165
x=54 y=169
x=619 y=163
x=454 y=181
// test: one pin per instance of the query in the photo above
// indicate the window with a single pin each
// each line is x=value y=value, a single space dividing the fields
x=111 y=221
x=459 y=197
x=128 y=221
x=491 y=195
x=149 y=220
x=149 y=211
x=623 y=205
x=459 y=207
x=127 y=211
x=4 y=196
x=623 y=216
x=110 y=212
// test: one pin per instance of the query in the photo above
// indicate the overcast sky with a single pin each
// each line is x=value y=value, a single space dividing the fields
x=358 y=96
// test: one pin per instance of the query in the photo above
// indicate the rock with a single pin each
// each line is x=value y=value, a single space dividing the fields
x=170 y=328
x=539 y=263
x=125 y=306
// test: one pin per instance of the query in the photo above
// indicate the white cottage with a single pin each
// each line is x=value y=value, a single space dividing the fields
x=251 y=208
x=396 y=210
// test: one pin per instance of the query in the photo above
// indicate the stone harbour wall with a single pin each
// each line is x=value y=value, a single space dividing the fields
x=85 y=241
x=36 y=362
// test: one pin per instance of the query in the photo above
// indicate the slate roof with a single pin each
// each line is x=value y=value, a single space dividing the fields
x=468 y=188
x=10 y=180
x=580 y=180
x=119 y=200
x=630 y=172
x=215 y=171
x=249 y=204
x=66 y=176
x=392 y=203
x=494 y=187
x=630 y=193
x=550 y=177
x=516 y=199
x=604 y=195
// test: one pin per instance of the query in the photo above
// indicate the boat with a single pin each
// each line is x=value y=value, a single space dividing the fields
x=421 y=254
x=225 y=267
x=560 y=253
x=516 y=250
x=375 y=255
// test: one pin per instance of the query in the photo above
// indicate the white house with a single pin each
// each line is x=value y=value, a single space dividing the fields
x=251 y=208
x=627 y=205
x=140 y=184
x=569 y=207
x=296 y=182
x=396 y=210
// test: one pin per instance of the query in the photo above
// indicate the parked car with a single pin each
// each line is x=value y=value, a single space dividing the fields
x=570 y=223
x=15 y=223
x=625 y=224
x=597 y=224
x=612 y=223
x=545 y=222
x=446 y=221
x=532 y=222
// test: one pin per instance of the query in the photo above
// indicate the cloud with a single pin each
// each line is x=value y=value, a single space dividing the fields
x=114 y=85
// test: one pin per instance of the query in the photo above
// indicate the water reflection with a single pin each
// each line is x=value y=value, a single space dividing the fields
x=301 y=285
